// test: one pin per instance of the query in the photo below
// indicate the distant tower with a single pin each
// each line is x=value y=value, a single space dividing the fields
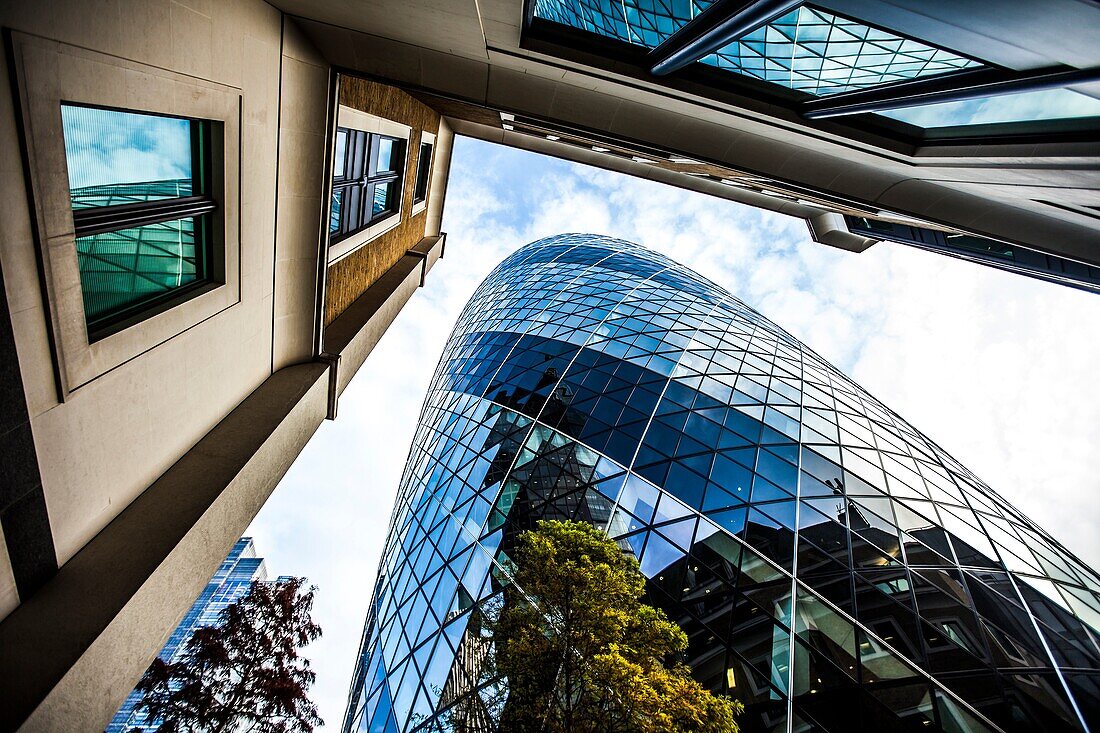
x=232 y=581
x=835 y=570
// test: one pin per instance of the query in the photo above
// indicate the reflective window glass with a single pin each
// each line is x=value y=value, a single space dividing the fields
x=128 y=266
x=1046 y=104
x=820 y=53
x=385 y=161
x=337 y=205
x=117 y=157
x=641 y=22
x=383 y=198
x=368 y=174
x=339 y=164
x=423 y=169
x=139 y=187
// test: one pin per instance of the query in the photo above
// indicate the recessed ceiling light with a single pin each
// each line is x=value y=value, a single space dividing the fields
x=598 y=149
x=636 y=159
x=552 y=137
x=508 y=127
x=507 y=116
x=679 y=159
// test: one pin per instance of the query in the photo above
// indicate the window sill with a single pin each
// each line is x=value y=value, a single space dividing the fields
x=346 y=246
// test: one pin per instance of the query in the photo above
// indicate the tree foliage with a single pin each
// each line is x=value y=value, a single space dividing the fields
x=243 y=674
x=582 y=654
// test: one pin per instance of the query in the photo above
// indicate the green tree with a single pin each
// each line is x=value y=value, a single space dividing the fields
x=579 y=650
x=243 y=674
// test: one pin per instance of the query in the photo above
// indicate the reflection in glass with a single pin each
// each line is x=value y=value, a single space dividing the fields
x=337 y=205
x=123 y=268
x=382 y=199
x=127 y=167
x=105 y=148
x=641 y=22
x=385 y=163
x=1046 y=104
x=547 y=404
x=340 y=156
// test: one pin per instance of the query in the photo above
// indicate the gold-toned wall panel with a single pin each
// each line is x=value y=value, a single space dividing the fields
x=350 y=277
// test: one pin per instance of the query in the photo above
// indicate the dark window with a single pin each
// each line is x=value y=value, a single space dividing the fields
x=140 y=186
x=366 y=181
x=423 y=168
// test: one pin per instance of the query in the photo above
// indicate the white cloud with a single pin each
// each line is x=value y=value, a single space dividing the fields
x=996 y=368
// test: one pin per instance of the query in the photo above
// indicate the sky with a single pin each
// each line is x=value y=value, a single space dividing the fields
x=998 y=369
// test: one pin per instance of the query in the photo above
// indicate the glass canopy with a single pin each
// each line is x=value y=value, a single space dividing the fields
x=806 y=49
x=641 y=22
x=818 y=53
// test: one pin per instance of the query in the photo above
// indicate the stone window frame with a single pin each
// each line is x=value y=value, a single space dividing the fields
x=49 y=72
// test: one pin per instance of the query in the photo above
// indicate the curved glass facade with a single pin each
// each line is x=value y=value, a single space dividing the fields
x=835 y=570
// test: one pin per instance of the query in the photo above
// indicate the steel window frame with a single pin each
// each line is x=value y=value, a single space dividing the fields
x=360 y=173
x=92 y=220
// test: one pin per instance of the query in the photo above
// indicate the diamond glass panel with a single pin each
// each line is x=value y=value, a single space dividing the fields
x=807 y=49
x=641 y=22
x=834 y=569
x=814 y=51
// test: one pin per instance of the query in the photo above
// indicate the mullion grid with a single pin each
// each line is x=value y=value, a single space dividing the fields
x=354 y=193
x=912 y=484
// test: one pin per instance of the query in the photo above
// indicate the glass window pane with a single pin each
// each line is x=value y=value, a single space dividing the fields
x=337 y=205
x=126 y=267
x=386 y=159
x=1048 y=104
x=384 y=198
x=820 y=53
x=118 y=157
x=423 y=168
x=339 y=162
x=806 y=49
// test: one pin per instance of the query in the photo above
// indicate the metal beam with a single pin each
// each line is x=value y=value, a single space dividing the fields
x=723 y=22
x=955 y=87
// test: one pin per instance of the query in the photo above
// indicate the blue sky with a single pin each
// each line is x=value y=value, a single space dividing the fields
x=998 y=369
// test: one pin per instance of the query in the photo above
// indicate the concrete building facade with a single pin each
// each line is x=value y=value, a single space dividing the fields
x=178 y=314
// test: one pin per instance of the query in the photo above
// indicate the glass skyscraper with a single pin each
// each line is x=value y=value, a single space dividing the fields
x=234 y=577
x=835 y=569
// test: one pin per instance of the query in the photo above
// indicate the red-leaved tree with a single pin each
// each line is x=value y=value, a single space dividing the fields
x=243 y=674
